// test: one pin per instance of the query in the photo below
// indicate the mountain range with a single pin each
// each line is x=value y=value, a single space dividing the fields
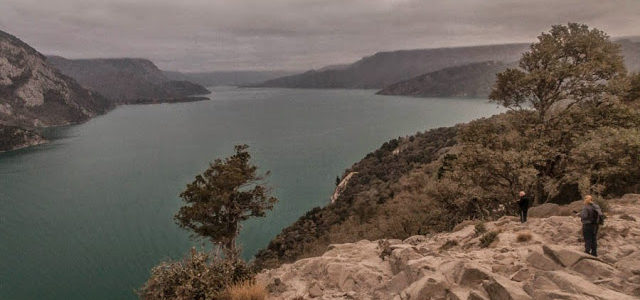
x=218 y=78
x=386 y=68
x=127 y=80
x=442 y=72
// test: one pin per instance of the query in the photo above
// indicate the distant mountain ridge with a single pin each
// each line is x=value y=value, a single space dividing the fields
x=472 y=80
x=127 y=80
x=218 y=78
x=386 y=68
x=33 y=94
x=475 y=80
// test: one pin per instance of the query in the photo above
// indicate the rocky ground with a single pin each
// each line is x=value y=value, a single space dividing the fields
x=541 y=259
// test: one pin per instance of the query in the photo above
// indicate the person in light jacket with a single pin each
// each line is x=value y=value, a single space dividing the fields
x=590 y=216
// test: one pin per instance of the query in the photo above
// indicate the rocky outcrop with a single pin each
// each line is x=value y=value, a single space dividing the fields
x=34 y=94
x=12 y=138
x=541 y=259
x=342 y=186
x=128 y=80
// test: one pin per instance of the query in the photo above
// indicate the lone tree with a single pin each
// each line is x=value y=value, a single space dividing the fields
x=217 y=201
x=572 y=63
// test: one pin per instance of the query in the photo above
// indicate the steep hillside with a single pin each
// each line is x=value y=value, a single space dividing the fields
x=541 y=259
x=385 y=68
x=126 y=80
x=237 y=78
x=472 y=80
x=373 y=197
x=34 y=94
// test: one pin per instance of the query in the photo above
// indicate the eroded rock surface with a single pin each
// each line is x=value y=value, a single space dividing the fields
x=547 y=264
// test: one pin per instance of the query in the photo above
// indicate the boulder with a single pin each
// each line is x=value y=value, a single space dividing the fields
x=500 y=288
x=315 y=290
x=577 y=285
x=473 y=275
x=541 y=262
x=428 y=287
x=593 y=269
x=521 y=275
x=565 y=256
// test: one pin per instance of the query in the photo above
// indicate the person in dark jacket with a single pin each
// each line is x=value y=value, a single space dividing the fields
x=523 y=204
x=590 y=216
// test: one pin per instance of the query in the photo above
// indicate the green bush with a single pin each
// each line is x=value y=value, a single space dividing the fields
x=488 y=238
x=198 y=276
x=480 y=228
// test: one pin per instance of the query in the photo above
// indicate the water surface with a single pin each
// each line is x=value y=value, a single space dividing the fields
x=87 y=216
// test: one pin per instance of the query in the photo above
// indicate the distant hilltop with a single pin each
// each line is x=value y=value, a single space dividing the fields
x=385 y=68
x=127 y=80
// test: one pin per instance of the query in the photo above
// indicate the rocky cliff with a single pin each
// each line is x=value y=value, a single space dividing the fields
x=34 y=94
x=541 y=259
x=127 y=80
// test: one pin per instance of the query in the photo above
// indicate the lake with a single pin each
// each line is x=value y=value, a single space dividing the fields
x=87 y=215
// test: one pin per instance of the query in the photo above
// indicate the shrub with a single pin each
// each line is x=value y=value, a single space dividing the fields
x=198 y=276
x=488 y=238
x=480 y=228
x=246 y=290
x=523 y=237
x=385 y=248
x=449 y=244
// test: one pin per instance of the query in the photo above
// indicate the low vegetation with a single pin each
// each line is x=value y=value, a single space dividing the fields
x=488 y=238
x=230 y=191
x=199 y=275
x=523 y=237
x=246 y=290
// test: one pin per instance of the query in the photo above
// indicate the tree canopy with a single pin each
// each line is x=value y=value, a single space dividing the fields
x=570 y=63
x=218 y=200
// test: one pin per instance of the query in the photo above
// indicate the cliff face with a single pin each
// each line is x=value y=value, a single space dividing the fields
x=34 y=94
x=385 y=68
x=127 y=80
x=541 y=259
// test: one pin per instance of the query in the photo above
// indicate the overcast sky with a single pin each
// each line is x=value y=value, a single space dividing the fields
x=205 y=35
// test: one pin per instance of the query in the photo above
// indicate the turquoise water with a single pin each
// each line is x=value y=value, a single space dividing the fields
x=87 y=216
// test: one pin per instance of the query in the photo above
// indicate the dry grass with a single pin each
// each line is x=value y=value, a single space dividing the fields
x=246 y=290
x=523 y=237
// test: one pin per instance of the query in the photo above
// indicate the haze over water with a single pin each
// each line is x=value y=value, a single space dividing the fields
x=88 y=215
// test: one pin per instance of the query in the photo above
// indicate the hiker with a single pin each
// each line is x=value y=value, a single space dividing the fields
x=591 y=215
x=523 y=203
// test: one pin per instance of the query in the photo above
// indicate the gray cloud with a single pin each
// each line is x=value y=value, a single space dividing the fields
x=200 y=35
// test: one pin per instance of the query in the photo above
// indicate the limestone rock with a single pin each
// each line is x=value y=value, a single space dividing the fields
x=550 y=266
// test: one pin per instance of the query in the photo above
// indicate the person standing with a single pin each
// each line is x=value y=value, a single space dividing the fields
x=523 y=203
x=590 y=217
